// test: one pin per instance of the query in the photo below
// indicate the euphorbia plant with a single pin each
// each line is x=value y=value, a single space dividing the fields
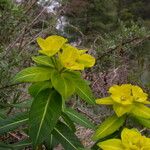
x=128 y=101
x=55 y=76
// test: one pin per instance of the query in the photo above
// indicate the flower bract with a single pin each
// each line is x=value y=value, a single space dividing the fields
x=51 y=45
x=75 y=59
x=131 y=139
x=125 y=98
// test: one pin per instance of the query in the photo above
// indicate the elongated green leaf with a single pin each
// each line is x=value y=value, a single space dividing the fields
x=2 y=114
x=17 y=146
x=51 y=142
x=142 y=121
x=1 y=117
x=84 y=91
x=66 y=137
x=141 y=110
x=82 y=88
x=43 y=60
x=36 y=88
x=33 y=74
x=62 y=84
x=4 y=146
x=21 y=144
x=69 y=122
x=25 y=104
x=78 y=118
x=109 y=126
x=13 y=122
x=44 y=114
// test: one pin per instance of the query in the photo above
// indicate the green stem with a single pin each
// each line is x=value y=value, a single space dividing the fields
x=63 y=104
x=54 y=62
x=62 y=70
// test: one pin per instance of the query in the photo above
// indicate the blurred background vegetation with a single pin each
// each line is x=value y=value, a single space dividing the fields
x=116 y=32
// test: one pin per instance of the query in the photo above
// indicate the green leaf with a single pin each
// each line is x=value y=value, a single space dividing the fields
x=25 y=104
x=21 y=144
x=84 y=91
x=78 y=118
x=141 y=110
x=50 y=142
x=12 y=123
x=2 y=115
x=69 y=122
x=4 y=146
x=109 y=126
x=44 y=114
x=43 y=60
x=62 y=84
x=36 y=88
x=143 y=121
x=17 y=146
x=33 y=74
x=82 y=88
x=66 y=137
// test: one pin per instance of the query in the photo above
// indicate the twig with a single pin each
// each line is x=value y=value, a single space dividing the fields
x=95 y=82
x=136 y=39
x=85 y=114
x=143 y=130
x=30 y=8
x=27 y=28
x=15 y=136
x=76 y=28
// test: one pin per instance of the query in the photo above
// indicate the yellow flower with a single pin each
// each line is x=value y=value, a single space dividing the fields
x=121 y=94
x=126 y=98
x=69 y=56
x=51 y=45
x=86 y=59
x=139 y=95
x=74 y=59
x=131 y=139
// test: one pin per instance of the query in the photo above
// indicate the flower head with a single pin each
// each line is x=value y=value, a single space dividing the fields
x=51 y=45
x=124 y=97
x=131 y=139
x=121 y=94
x=139 y=95
x=74 y=59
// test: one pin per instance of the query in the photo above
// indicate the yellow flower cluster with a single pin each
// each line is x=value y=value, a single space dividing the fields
x=131 y=139
x=127 y=94
x=69 y=56
x=124 y=97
